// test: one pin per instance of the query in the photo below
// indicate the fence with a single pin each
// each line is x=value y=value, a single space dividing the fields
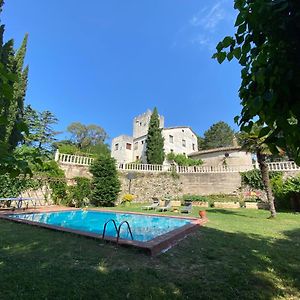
x=86 y=161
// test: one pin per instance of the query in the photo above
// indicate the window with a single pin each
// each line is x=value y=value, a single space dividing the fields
x=142 y=142
x=182 y=130
x=136 y=145
x=171 y=150
x=128 y=146
x=137 y=158
x=116 y=147
x=193 y=146
x=183 y=143
x=171 y=139
x=184 y=153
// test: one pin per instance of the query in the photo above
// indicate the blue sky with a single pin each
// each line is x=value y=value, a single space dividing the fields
x=104 y=62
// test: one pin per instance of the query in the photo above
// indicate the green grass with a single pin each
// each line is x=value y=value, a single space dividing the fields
x=239 y=254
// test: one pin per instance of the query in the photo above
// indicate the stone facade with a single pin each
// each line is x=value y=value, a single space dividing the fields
x=126 y=149
x=230 y=156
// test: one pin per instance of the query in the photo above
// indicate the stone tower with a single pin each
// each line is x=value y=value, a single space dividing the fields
x=141 y=124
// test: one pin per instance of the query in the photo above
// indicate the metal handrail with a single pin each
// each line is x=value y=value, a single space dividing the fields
x=104 y=228
x=119 y=229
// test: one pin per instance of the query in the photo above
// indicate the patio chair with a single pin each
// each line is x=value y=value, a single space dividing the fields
x=154 y=205
x=187 y=208
x=166 y=207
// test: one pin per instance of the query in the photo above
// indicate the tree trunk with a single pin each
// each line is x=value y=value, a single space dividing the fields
x=261 y=158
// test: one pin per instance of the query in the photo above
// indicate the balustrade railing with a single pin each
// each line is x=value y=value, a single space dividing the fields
x=86 y=161
x=283 y=166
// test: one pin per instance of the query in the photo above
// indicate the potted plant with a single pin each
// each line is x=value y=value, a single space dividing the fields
x=202 y=214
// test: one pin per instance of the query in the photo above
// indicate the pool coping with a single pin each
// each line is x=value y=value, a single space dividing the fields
x=153 y=247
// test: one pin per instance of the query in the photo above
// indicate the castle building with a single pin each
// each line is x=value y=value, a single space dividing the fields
x=127 y=149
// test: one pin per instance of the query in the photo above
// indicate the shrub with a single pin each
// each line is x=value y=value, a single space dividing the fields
x=105 y=183
x=253 y=178
x=127 y=198
x=182 y=160
x=13 y=187
x=79 y=193
x=57 y=181
x=290 y=197
x=195 y=198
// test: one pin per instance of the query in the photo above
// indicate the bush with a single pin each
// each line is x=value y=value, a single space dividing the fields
x=57 y=181
x=13 y=187
x=253 y=178
x=127 y=198
x=105 y=183
x=80 y=193
x=290 y=196
x=195 y=198
x=182 y=160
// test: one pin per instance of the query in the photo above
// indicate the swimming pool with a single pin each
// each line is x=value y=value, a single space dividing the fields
x=151 y=232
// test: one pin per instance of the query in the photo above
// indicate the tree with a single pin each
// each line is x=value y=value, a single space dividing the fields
x=267 y=47
x=218 y=135
x=155 y=141
x=41 y=133
x=86 y=135
x=13 y=83
x=252 y=142
x=105 y=182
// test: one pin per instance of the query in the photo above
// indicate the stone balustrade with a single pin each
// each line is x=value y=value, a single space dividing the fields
x=86 y=161
x=283 y=166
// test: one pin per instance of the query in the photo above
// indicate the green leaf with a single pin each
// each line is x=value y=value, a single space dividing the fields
x=240 y=19
x=221 y=57
x=237 y=52
x=239 y=39
x=264 y=132
x=236 y=119
x=227 y=41
x=242 y=28
x=246 y=48
x=230 y=56
x=219 y=46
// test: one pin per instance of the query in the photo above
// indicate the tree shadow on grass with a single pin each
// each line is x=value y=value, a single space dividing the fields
x=210 y=264
x=229 y=212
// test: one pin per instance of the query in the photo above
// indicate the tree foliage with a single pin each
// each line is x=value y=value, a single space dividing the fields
x=218 y=135
x=267 y=45
x=41 y=133
x=86 y=135
x=105 y=182
x=155 y=141
x=13 y=84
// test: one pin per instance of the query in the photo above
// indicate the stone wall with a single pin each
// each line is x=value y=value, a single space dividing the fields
x=147 y=185
x=72 y=171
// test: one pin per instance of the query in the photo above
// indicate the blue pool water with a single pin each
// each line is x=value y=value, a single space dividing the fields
x=143 y=227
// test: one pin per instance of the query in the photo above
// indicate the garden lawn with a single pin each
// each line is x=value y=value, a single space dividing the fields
x=239 y=254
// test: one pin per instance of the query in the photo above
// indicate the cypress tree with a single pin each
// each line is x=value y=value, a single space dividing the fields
x=105 y=182
x=155 y=141
x=13 y=85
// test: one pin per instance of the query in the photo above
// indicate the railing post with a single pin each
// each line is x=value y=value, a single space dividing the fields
x=56 y=156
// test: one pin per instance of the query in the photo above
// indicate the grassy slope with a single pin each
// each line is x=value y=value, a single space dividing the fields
x=239 y=254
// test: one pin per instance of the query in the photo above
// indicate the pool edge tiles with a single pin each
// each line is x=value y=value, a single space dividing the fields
x=152 y=247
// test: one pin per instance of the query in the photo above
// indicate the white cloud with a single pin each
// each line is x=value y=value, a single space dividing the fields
x=203 y=27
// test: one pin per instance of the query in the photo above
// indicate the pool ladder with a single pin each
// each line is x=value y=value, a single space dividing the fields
x=118 y=229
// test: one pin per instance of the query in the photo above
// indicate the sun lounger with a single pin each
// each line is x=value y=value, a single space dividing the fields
x=154 y=205
x=166 y=207
x=187 y=208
